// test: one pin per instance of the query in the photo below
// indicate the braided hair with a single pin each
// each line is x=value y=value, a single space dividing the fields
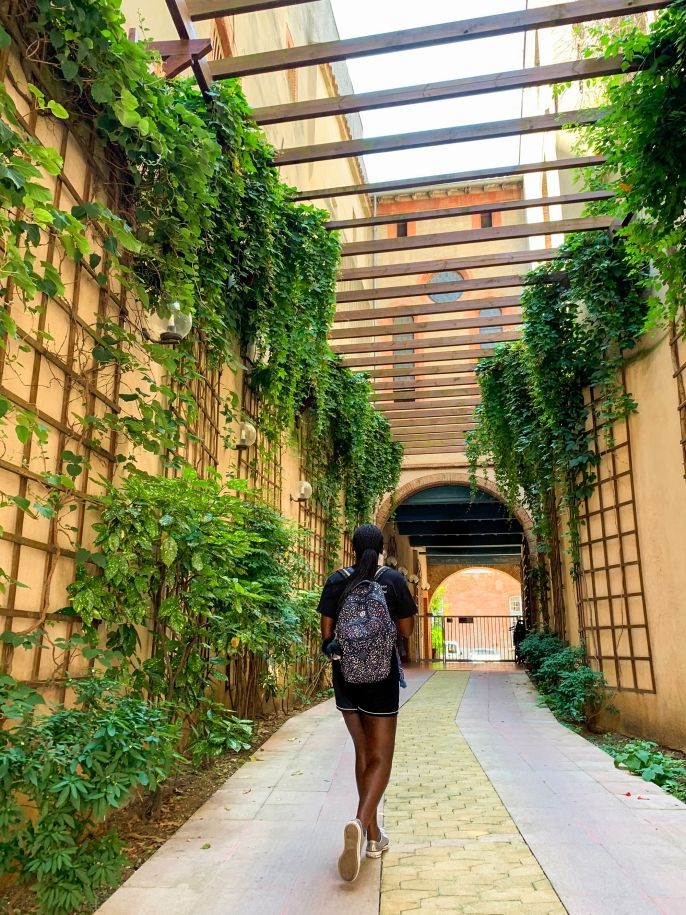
x=368 y=546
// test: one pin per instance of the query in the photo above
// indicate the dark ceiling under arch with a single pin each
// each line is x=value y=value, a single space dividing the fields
x=455 y=525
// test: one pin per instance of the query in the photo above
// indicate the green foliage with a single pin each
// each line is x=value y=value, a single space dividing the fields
x=581 y=313
x=644 y=758
x=217 y=231
x=350 y=447
x=215 y=731
x=643 y=138
x=61 y=773
x=573 y=691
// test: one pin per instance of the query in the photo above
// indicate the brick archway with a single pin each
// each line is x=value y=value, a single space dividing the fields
x=456 y=478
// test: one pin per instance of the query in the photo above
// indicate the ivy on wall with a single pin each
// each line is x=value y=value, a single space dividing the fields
x=643 y=138
x=582 y=312
x=211 y=227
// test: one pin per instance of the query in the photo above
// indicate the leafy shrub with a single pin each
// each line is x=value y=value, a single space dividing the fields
x=644 y=758
x=537 y=647
x=62 y=771
x=571 y=689
x=579 y=695
x=216 y=731
x=555 y=666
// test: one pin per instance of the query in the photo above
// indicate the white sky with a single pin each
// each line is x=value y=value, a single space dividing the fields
x=428 y=65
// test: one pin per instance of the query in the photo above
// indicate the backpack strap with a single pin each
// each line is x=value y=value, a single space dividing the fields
x=379 y=572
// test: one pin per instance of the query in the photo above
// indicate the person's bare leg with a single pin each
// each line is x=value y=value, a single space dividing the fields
x=380 y=745
x=353 y=722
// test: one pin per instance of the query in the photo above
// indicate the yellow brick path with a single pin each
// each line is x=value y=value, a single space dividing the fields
x=454 y=847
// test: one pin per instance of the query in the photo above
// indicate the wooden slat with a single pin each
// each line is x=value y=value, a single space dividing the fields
x=377 y=375
x=482 y=174
x=470 y=209
x=464 y=133
x=470 y=236
x=457 y=448
x=412 y=309
x=568 y=71
x=392 y=400
x=471 y=262
x=427 y=411
x=425 y=343
x=215 y=9
x=423 y=289
x=427 y=36
x=397 y=409
x=447 y=422
x=422 y=327
x=383 y=358
x=178 y=10
x=438 y=429
x=437 y=382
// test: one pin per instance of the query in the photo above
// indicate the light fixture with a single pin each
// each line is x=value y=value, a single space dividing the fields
x=170 y=326
x=247 y=436
x=304 y=492
x=257 y=353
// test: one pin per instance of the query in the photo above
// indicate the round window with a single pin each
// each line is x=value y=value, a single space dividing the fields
x=446 y=276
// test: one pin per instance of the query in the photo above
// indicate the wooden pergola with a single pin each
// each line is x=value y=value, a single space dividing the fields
x=419 y=341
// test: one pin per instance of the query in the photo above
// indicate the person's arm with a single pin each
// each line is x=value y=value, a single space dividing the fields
x=405 y=626
x=328 y=625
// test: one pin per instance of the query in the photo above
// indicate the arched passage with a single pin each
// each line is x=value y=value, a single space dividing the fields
x=439 y=527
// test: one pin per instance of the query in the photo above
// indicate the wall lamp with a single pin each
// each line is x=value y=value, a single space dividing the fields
x=247 y=436
x=304 y=492
x=168 y=329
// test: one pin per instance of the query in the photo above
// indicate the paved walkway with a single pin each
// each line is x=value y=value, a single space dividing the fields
x=503 y=812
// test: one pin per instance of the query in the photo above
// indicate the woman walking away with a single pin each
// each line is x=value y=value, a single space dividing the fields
x=363 y=609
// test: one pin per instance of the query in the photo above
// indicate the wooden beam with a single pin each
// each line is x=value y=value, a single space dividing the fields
x=359 y=363
x=568 y=71
x=471 y=262
x=464 y=133
x=425 y=411
x=217 y=9
x=457 y=448
x=427 y=36
x=413 y=428
x=413 y=371
x=399 y=408
x=412 y=309
x=470 y=209
x=178 y=10
x=451 y=381
x=424 y=289
x=424 y=343
x=392 y=400
x=447 y=422
x=470 y=236
x=410 y=184
x=179 y=54
x=422 y=327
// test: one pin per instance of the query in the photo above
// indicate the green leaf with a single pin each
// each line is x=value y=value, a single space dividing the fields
x=58 y=110
x=5 y=40
x=169 y=549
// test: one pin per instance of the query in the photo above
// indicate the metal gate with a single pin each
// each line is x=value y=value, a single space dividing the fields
x=463 y=638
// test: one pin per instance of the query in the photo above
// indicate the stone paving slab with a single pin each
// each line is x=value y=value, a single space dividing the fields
x=454 y=846
x=267 y=843
x=610 y=843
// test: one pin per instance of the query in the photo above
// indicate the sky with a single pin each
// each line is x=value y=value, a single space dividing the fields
x=428 y=65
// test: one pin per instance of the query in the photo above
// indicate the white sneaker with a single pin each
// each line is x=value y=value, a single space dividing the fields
x=376 y=847
x=353 y=842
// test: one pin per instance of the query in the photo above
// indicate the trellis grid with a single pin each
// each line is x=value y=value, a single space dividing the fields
x=677 y=342
x=613 y=619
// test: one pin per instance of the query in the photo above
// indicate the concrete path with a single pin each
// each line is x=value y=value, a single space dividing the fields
x=610 y=843
x=504 y=812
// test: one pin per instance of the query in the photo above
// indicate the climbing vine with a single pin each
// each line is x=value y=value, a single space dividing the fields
x=212 y=228
x=643 y=138
x=581 y=313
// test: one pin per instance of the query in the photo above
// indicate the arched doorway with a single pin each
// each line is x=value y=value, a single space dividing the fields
x=440 y=527
x=473 y=612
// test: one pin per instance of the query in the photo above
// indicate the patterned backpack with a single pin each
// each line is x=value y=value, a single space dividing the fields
x=366 y=633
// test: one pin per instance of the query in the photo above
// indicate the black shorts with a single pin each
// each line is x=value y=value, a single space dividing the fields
x=379 y=699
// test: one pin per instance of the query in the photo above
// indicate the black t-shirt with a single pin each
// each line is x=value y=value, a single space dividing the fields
x=398 y=598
